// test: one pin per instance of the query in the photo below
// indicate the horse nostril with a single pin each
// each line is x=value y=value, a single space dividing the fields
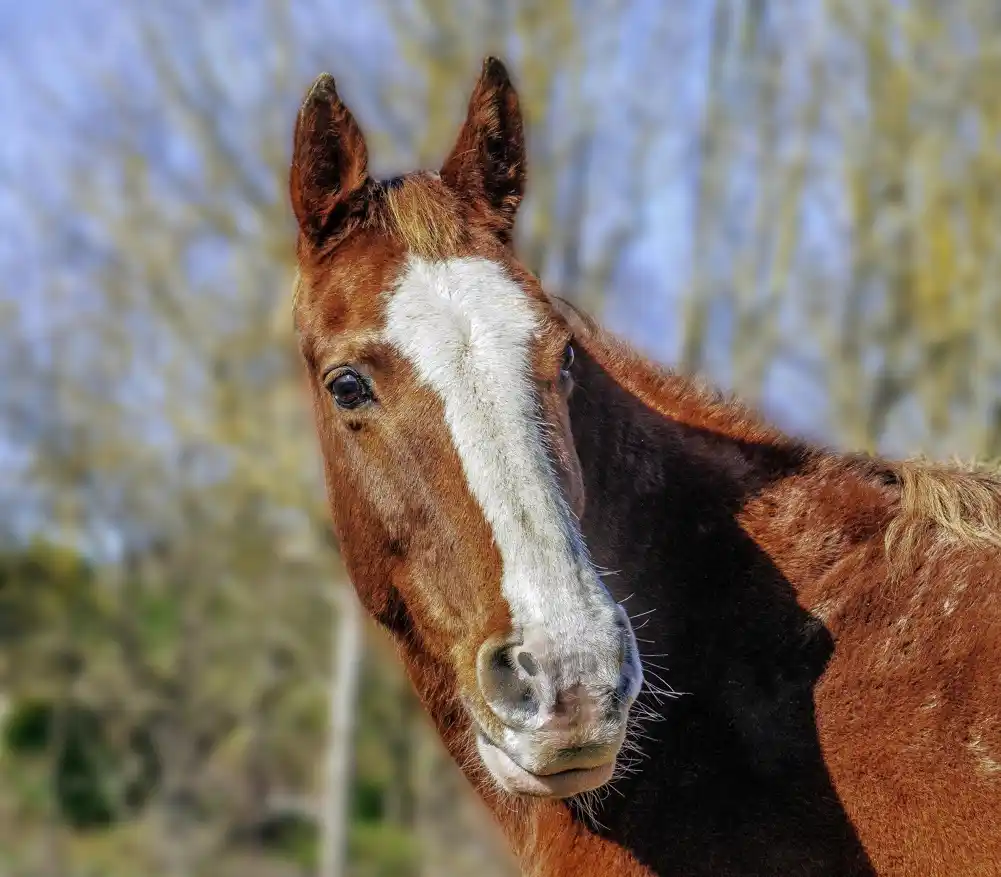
x=527 y=663
x=508 y=676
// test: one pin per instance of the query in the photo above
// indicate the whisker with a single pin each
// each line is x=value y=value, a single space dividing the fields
x=663 y=690
x=641 y=614
x=660 y=680
x=604 y=570
x=655 y=665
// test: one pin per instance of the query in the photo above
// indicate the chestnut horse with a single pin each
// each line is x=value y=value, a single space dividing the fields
x=504 y=477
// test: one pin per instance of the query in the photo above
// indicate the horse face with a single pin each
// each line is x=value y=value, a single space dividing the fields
x=440 y=374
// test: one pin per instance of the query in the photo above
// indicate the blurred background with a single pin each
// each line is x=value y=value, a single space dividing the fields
x=800 y=200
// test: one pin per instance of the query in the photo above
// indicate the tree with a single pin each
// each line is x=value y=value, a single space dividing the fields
x=846 y=175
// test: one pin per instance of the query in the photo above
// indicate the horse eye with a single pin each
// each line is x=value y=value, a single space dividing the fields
x=349 y=390
x=568 y=358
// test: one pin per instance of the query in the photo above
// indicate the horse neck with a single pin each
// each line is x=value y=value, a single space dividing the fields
x=712 y=527
x=676 y=476
x=664 y=461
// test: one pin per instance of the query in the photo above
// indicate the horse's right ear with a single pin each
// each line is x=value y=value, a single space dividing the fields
x=329 y=165
x=487 y=162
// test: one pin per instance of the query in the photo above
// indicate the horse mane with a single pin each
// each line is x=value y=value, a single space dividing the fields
x=944 y=506
x=688 y=399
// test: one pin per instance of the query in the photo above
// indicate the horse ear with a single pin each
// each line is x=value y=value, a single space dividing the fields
x=487 y=162
x=329 y=164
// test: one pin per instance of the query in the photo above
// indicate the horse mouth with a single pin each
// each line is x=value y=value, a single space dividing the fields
x=514 y=778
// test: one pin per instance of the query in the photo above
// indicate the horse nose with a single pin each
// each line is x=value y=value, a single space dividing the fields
x=542 y=687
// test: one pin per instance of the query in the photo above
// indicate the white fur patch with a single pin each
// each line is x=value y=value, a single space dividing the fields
x=468 y=330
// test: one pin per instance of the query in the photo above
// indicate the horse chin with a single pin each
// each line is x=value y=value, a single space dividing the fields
x=513 y=778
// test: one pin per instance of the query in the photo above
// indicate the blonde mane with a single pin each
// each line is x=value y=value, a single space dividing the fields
x=425 y=215
x=949 y=505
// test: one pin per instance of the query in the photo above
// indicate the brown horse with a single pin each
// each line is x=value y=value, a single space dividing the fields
x=504 y=476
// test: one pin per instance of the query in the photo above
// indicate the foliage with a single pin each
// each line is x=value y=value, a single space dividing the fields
x=89 y=760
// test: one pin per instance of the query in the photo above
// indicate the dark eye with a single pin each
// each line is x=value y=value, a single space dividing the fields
x=349 y=390
x=567 y=364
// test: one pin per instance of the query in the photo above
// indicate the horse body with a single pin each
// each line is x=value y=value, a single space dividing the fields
x=830 y=625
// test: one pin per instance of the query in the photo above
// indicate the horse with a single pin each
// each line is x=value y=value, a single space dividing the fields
x=806 y=681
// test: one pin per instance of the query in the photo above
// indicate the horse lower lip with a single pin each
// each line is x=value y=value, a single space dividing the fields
x=565 y=772
x=559 y=784
x=581 y=754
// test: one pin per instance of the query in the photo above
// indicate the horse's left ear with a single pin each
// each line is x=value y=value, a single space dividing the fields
x=487 y=162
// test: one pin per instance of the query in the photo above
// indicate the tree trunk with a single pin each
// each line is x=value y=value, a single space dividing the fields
x=347 y=650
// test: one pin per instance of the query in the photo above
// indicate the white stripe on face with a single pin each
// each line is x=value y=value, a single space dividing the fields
x=468 y=330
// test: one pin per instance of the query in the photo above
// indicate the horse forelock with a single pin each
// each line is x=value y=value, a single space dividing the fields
x=425 y=215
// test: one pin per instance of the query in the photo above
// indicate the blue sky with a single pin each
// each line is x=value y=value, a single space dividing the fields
x=58 y=45
x=57 y=58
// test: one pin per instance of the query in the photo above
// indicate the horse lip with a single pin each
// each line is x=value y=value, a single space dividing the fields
x=563 y=783
x=555 y=769
x=575 y=754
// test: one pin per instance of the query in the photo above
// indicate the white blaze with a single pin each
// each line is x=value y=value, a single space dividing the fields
x=468 y=330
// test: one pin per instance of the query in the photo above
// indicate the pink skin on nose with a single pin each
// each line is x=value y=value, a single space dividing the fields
x=559 y=709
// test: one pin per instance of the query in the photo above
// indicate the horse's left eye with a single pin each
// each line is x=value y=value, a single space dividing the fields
x=349 y=389
x=567 y=364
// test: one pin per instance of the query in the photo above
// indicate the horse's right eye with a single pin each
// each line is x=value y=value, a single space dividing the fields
x=349 y=389
x=568 y=359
